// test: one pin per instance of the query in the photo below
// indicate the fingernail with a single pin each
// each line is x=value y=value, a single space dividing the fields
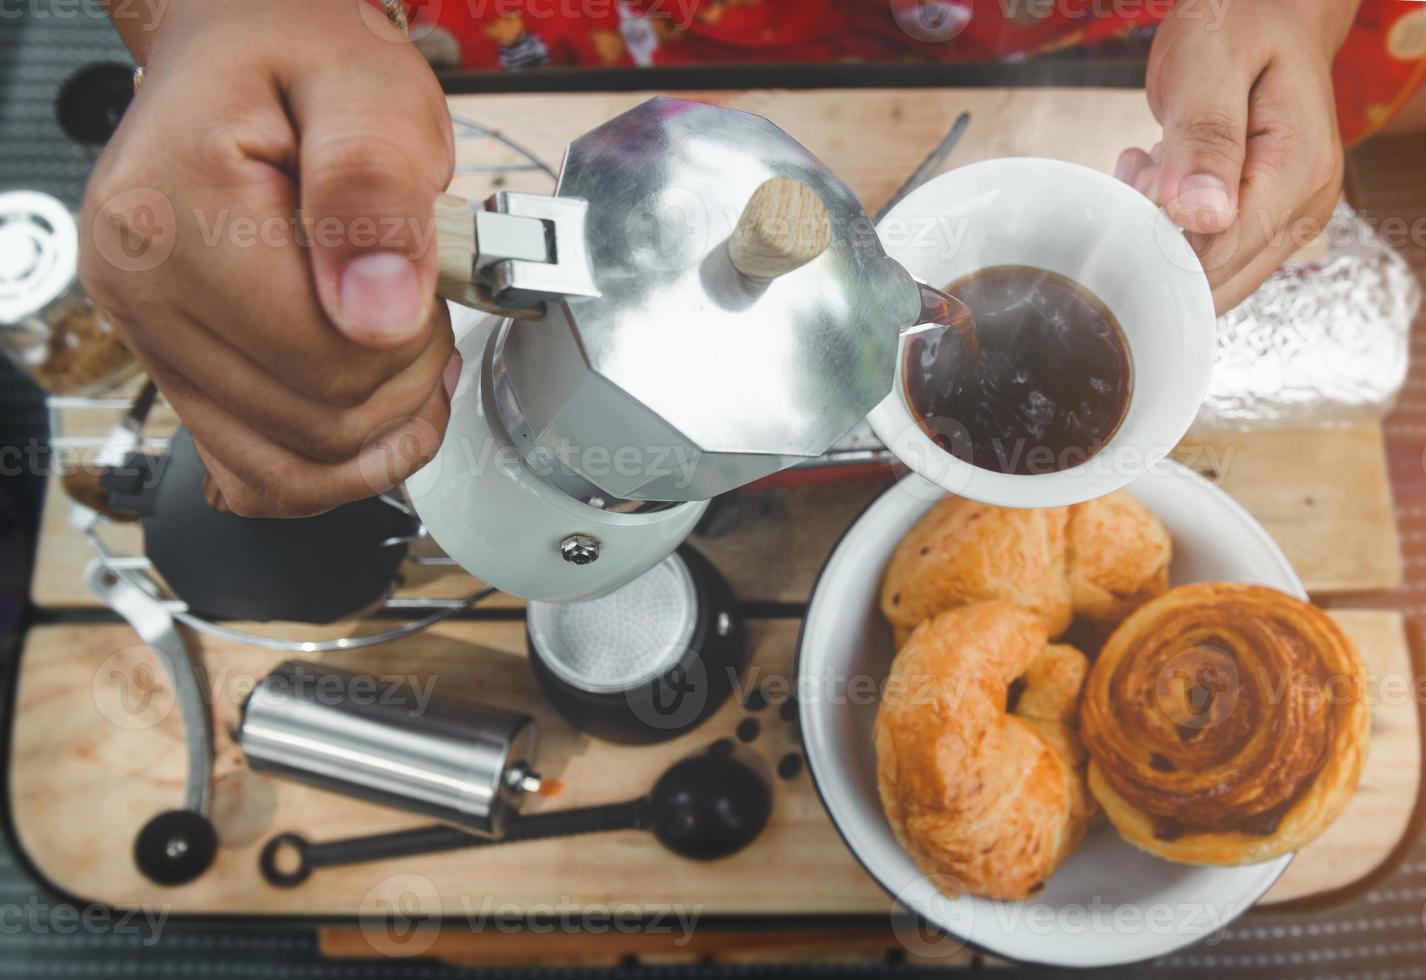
x=450 y=377
x=381 y=295
x=1204 y=193
x=1121 y=167
x=1144 y=180
x=212 y=496
x=1156 y=154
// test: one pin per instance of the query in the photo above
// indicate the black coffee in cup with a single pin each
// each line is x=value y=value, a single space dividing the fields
x=1039 y=385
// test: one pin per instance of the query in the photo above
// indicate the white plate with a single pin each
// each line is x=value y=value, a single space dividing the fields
x=1110 y=903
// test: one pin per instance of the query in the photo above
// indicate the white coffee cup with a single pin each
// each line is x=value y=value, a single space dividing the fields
x=1104 y=235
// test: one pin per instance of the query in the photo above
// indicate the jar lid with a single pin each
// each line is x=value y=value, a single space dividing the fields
x=39 y=253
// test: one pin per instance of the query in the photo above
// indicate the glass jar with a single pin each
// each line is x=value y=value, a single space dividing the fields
x=48 y=326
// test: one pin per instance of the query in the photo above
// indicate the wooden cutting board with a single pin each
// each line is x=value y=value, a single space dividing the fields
x=95 y=733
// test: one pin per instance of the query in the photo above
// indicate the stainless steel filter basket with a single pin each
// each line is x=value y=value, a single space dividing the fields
x=647 y=662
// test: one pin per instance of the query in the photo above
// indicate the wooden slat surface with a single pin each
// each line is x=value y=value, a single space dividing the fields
x=872 y=138
x=1321 y=493
x=80 y=750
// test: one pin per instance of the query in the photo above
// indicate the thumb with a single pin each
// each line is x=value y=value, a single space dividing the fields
x=1205 y=138
x=374 y=153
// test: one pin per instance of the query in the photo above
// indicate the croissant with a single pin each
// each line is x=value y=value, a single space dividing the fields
x=983 y=799
x=1225 y=724
x=962 y=551
x=1117 y=556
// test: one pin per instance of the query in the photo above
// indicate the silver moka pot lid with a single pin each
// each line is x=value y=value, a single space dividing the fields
x=700 y=366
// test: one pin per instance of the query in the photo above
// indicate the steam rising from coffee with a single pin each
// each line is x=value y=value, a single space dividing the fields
x=1029 y=372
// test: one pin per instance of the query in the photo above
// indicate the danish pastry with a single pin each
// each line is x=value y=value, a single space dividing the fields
x=983 y=799
x=962 y=551
x=1225 y=723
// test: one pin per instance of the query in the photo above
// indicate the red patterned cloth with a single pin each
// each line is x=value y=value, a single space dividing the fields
x=1382 y=62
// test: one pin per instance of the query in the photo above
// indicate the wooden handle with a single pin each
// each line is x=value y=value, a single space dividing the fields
x=455 y=246
x=455 y=256
x=783 y=227
x=84 y=486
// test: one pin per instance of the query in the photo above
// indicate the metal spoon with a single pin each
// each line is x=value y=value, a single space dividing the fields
x=703 y=807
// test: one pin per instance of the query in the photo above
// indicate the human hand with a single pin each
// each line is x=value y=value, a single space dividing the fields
x=1251 y=162
x=260 y=231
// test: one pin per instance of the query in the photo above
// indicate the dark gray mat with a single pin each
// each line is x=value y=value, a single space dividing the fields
x=1380 y=934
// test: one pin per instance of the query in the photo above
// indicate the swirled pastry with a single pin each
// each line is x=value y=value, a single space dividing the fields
x=983 y=799
x=962 y=551
x=1225 y=723
x=1117 y=558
